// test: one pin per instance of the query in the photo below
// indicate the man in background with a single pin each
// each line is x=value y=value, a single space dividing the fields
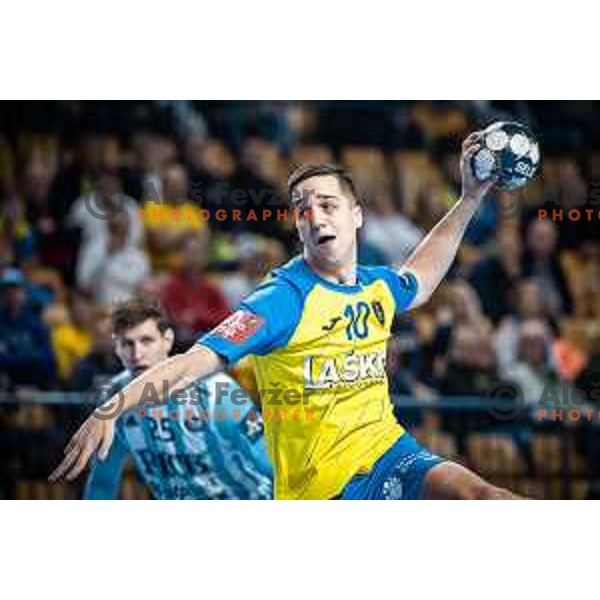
x=181 y=451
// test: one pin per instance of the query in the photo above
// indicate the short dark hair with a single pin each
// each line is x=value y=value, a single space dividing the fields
x=343 y=175
x=135 y=312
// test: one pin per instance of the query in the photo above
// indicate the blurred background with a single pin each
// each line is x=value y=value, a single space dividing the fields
x=521 y=304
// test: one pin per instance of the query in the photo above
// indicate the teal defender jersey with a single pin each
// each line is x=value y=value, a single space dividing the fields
x=205 y=446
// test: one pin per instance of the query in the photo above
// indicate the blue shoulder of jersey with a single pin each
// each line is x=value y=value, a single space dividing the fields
x=402 y=286
x=267 y=318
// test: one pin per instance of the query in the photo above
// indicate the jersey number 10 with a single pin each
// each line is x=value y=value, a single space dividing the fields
x=358 y=316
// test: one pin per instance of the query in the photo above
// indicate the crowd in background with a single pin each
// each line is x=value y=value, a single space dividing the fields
x=522 y=301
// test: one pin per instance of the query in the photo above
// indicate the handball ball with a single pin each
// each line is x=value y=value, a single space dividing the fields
x=509 y=151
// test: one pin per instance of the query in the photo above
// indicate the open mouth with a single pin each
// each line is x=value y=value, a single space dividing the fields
x=324 y=239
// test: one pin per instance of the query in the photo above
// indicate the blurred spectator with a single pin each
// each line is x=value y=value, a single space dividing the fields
x=271 y=122
x=26 y=356
x=405 y=359
x=388 y=231
x=494 y=278
x=193 y=301
x=583 y=270
x=45 y=284
x=186 y=120
x=566 y=189
x=16 y=233
x=532 y=369
x=258 y=176
x=171 y=219
x=91 y=212
x=253 y=267
x=112 y=268
x=142 y=180
x=471 y=369
x=589 y=378
x=152 y=152
x=78 y=178
x=530 y=304
x=55 y=243
x=461 y=308
x=211 y=167
x=72 y=340
x=355 y=122
x=100 y=363
x=369 y=255
x=440 y=120
x=541 y=260
x=274 y=255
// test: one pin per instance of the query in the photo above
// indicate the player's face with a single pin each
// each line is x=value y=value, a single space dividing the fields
x=143 y=346
x=327 y=223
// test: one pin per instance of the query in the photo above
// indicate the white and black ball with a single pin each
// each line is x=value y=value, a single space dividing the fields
x=510 y=151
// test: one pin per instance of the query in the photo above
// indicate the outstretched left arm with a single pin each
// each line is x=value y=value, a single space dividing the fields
x=433 y=257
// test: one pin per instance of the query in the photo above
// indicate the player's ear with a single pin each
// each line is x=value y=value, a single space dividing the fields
x=118 y=348
x=169 y=338
x=298 y=229
x=358 y=215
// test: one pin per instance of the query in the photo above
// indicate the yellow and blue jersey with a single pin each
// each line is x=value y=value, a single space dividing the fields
x=322 y=346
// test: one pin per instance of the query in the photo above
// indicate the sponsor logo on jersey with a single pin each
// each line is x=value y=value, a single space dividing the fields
x=345 y=371
x=239 y=326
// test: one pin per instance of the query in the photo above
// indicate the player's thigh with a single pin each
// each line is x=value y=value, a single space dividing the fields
x=451 y=481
